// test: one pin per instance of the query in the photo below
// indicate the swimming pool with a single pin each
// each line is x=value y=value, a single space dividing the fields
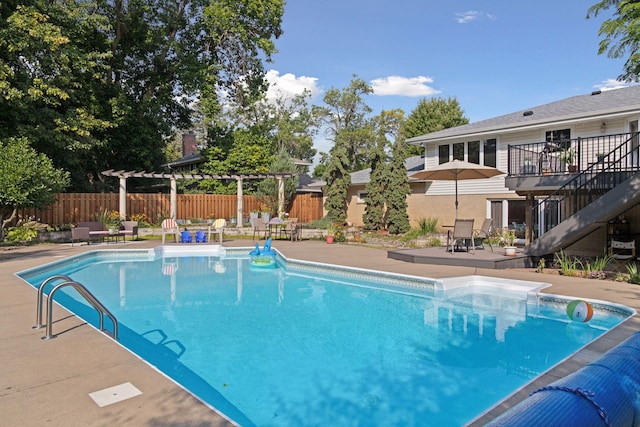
x=306 y=344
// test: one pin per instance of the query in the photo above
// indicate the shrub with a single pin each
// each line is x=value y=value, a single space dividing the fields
x=428 y=225
x=143 y=220
x=595 y=269
x=22 y=234
x=568 y=265
x=634 y=276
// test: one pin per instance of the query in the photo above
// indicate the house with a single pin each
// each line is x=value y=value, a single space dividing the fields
x=570 y=169
x=570 y=173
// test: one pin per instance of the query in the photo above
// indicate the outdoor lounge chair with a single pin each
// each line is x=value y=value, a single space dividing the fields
x=130 y=229
x=622 y=252
x=291 y=229
x=185 y=237
x=170 y=226
x=484 y=233
x=462 y=234
x=201 y=236
x=80 y=234
x=218 y=227
x=260 y=226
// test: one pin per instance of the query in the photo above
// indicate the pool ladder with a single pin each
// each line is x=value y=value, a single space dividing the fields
x=82 y=290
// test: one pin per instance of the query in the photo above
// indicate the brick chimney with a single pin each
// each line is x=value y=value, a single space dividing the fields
x=188 y=143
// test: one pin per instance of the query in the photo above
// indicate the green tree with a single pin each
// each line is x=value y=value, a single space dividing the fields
x=104 y=85
x=249 y=152
x=431 y=116
x=374 y=213
x=268 y=192
x=52 y=58
x=27 y=179
x=621 y=34
x=399 y=189
x=346 y=117
x=337 y=179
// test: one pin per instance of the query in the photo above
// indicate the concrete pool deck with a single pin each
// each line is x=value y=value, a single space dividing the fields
x=48 y=382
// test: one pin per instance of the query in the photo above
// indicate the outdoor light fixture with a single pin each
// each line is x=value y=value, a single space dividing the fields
x=603 y=127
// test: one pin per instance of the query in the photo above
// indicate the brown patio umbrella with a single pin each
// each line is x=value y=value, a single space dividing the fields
x=456 y=170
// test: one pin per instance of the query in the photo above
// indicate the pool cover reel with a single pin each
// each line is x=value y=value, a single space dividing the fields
x=603 y=393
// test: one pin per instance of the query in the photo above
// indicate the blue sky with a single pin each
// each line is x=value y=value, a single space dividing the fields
x=495 y=57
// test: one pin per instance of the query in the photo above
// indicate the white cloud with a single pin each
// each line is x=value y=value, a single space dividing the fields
x=472 y=15
x=611 y=84
x=289 y=85
x=403 y=86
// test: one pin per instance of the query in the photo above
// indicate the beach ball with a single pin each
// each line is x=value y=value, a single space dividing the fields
x=580 y=311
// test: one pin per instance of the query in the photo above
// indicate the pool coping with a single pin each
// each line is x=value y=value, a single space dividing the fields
x=54 y=395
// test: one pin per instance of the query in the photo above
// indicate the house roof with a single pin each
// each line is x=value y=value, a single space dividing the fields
x=598 y=104
x=413 y=164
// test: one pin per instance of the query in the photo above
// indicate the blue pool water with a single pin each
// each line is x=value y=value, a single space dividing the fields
x=301 y=345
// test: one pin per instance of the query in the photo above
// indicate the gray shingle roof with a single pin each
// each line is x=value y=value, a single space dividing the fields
x=595 y=104
x=413 y=164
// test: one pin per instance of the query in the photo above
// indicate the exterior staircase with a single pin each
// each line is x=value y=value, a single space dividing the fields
x=594 y=197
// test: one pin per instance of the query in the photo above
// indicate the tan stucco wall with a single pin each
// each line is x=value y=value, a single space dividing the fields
x=423 y=206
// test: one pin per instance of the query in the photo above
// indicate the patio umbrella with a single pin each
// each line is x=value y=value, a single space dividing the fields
x=457 y=170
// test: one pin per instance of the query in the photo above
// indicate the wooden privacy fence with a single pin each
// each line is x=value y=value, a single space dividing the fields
x=71 y=208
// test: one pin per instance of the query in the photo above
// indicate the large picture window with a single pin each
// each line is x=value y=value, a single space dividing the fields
x=443 y=154
x=490 y=152
x=458 y=151
x=473 y=155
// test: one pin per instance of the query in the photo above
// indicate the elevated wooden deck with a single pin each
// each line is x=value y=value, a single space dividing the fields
x=480 y=258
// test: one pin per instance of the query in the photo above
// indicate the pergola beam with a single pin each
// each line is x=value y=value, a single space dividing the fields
x=173 y=177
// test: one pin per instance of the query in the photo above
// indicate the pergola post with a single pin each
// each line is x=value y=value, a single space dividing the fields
x=239 y=202
x=280 y=195
x=122 y=200
x=173 y=199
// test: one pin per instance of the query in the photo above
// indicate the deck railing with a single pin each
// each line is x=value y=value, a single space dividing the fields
x=572 y=155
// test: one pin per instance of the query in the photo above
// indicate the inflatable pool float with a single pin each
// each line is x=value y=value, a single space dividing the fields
x=265 y=257
x=263 y=261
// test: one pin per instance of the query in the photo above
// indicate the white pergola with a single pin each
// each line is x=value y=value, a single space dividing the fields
x=174 y=177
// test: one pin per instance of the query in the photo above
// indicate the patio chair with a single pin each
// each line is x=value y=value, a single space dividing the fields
x=219 y=225
x=260 y=226
x=291 y=230
x=462 y=234
x=201 y=236
x=185 y=237
x=79 y=234
x=484 y=233
x=131 y=228
x=170 y=226
x=622 y=252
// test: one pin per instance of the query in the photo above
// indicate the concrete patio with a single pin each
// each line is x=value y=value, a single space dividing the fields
x=48 y=382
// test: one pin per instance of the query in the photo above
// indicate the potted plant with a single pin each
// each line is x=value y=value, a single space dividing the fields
x=508 y=239
x=568 y=156
x=331 y=231
x=253 y=215
x=110 y=220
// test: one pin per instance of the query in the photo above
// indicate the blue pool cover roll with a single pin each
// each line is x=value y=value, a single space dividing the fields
x=603 y=393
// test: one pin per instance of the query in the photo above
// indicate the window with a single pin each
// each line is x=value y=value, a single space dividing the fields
x=490 y=152
x=443 y=154
x=458 y=151
x=362 y=195
x=473 y=155
x=562 y=137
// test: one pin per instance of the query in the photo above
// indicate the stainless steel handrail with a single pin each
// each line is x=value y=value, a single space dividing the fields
x=91 y=299
x=39 y=324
